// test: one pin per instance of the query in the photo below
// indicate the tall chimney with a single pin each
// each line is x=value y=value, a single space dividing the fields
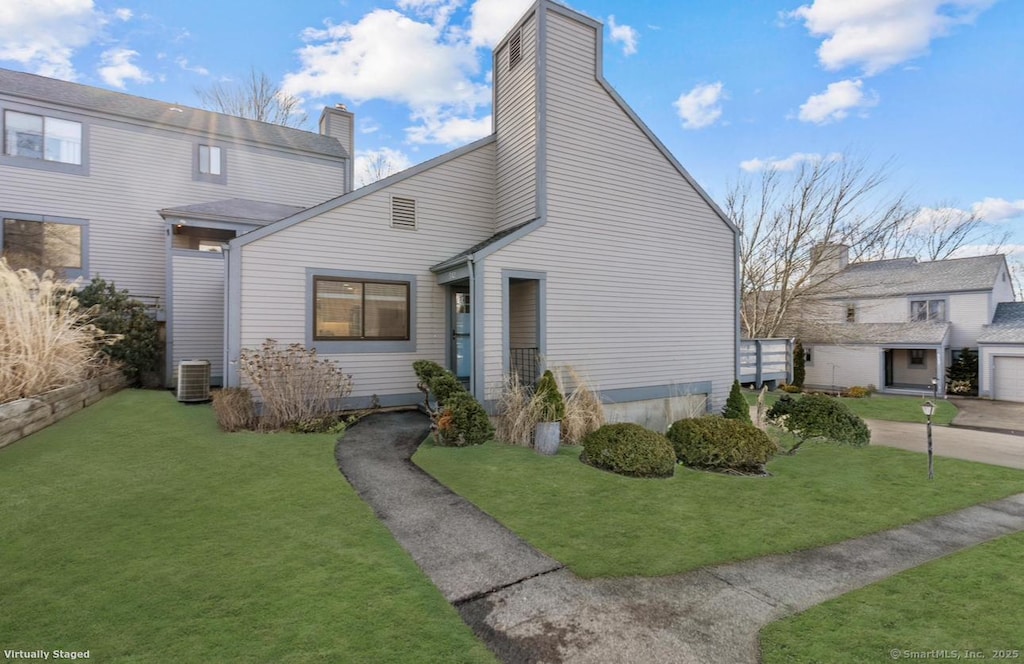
x=340 y=123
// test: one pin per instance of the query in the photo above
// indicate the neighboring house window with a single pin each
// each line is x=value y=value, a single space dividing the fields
x=917 y=357
x=928 y=310
x=42 y=137
x=42 y=244
x=210 y=164
x=353 y=309
x=808 y=355
x=851 y=313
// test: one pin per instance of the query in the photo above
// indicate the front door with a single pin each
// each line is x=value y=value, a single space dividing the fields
x=888 y=368
x=462 y=335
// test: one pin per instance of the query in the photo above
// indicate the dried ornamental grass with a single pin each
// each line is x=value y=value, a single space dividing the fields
x=520 y=409
x=44 y=341
x=583 y=410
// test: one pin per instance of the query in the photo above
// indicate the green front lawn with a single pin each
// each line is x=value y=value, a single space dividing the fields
x=968 y=601
x=138 y=531
x=890 y=407
x=601 y=524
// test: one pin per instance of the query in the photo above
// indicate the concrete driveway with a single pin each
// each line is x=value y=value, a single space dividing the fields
x=999 y=449
x=988 y=415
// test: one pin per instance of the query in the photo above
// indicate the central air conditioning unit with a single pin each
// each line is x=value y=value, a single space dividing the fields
x=193 y=381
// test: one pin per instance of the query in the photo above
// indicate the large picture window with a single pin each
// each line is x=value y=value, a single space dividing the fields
x=42 y=245
x=41 y=137
x=354 y=309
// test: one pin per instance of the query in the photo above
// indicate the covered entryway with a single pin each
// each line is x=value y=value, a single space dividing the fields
x=913 y=368
x=523 y=295
x=1008 y=378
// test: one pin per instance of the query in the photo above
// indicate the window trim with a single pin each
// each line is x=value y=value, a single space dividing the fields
x=41 y=164
x=923 y=364
x=335 y=346
x=220 y=178
x=83 y=271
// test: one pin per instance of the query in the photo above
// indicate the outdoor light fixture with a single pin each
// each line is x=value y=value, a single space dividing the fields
x=935 y=388
x=928 y=408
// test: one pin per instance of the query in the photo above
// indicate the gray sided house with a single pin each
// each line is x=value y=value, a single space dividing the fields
x=144 y=193
x=897 y=324
x=569 y=236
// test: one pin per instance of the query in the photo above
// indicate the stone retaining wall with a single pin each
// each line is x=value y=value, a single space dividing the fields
x=26 y=416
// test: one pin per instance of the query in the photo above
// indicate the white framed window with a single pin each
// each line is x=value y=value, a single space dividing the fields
x=38 y=243
x=209 y=160
x=42 y=137
x=922 y=311
x=209 y=163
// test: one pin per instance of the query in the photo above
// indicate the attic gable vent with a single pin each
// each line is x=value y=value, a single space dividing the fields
x=403 y=213
x=515 y=49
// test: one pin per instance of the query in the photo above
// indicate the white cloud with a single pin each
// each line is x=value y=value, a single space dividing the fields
x=970 y=250
x=387 y=55
x=438 y=11
x=117 y=68
x=998 y=209
x=836 y=101
x=373 y=165
x=623 y=34
x=490 y=20
x=123 y=14
x=183 y=62
x=43 y=35
x=700 y=107
x=448 y=130
x=878 y=34
x=789 y=163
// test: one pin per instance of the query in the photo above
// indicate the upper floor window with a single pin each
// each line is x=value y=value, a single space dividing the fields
x=42 y=137
x=209 y=163
x=39 y=244
x=209 y=160
x=928 y=310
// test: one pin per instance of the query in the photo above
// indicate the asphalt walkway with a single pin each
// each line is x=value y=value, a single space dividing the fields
x=530 y=609
x=999 y=449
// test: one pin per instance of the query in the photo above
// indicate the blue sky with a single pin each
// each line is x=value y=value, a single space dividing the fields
x=730 y=87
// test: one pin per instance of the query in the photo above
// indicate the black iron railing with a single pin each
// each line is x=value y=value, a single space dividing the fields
x=525 y=365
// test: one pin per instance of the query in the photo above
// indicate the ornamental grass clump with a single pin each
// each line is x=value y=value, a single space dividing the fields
x=629 y=449
x=234 y=408
x=520 y=409
x=293 y=385
x=45 y=339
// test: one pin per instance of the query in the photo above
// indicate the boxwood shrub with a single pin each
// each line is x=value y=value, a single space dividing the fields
x=629 y=449
x=717 y=443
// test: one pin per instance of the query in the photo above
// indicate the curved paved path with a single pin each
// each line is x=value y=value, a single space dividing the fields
x=529 y=609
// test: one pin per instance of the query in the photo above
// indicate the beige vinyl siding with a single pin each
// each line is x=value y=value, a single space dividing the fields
x=915 y=374
x=844 y=366
x=198 y=311
x=516 y=123
x=455 y=209
x=968 y=313
x=135 y=171
x=640 y=270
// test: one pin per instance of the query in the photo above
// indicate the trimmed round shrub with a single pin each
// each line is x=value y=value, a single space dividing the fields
x=445 y=385
x=463 y=422
x=718 y=443
x=629 y=449
x=820 y=416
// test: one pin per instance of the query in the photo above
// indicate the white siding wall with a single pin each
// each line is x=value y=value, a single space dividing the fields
x=198 y=311
x=854 y=365
x=986 y=363
x=640 y=270
x=516 y=124
x=880 y=310
x=133 y=172
x=455 y=209
x=968 y=313
x=1002 y=291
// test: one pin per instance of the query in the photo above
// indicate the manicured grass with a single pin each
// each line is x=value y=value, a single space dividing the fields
x=893 y=408
x=968 y=601
x=138 y=531
x=602 y=524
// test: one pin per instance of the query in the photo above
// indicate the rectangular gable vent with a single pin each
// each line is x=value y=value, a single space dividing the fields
x=403 y=213
x=515 y=49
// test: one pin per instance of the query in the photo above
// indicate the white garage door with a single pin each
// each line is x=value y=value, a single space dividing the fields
x=1009 y=379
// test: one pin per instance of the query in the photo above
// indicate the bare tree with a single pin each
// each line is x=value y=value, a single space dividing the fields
x=936 y=233
x=784 y=215
x=255 y=98
x=376 y=165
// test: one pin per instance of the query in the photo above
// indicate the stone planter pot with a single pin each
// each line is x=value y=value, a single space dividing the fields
x=546 y=437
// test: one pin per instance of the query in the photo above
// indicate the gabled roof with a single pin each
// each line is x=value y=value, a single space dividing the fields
x=480 y=247
x=233 y=209
x=150 y=111
x=925 y=334
x=907 y=276
x=1007 y=325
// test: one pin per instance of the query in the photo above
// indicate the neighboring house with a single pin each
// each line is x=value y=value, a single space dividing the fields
x=897 y=324
x=143 y=193
x=1001 y=354
x=569 y=236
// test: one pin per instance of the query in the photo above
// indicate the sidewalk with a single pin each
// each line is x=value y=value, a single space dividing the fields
x=528 y=608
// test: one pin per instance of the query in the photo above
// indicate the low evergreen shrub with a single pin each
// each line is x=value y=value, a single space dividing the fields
x=463 y=421
x=791 y=389
x=717 y=443
x=821 y=416
x=445 y=385
x=137 y=349
x=857 y=392
x=629 y=449
x=782 y=407
x=426 y=370
x=552 y=404
x=736 y=407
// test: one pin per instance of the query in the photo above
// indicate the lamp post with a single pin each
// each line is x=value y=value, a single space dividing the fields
x=928 y=408
x=935 y=389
